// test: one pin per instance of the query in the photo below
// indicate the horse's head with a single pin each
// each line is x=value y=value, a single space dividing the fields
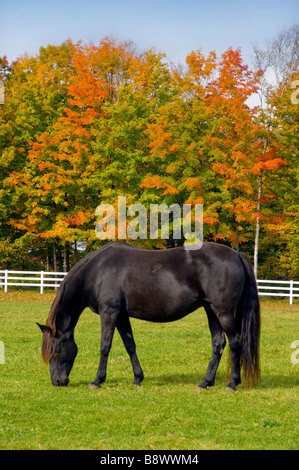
x=60 y=350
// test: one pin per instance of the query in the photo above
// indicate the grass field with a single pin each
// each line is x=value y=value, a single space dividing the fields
x=167 y=411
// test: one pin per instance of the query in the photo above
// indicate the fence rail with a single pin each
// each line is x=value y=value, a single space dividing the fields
x=278 y=289
x=42 y=279
x=38 y=279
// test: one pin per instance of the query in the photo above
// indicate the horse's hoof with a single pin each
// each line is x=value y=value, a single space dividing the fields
x=199 y=388
x=93 y=387
x=230 y=389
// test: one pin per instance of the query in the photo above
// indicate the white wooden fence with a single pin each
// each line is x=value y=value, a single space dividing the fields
x=38 y=279
x=42 y=279
x=279 y=289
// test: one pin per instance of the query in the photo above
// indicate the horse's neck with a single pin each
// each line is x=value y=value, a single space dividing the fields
x=68 y=316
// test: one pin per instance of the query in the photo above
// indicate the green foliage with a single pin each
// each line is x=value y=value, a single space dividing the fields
x=83 y=124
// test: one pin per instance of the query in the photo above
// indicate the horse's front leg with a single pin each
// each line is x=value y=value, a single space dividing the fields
x=108 y=322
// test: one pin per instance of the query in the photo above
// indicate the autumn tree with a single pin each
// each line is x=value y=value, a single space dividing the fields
x=205 y=142
x=121 y=140
x=84 y=124
x=57 y=186
x=277 y=64
x=34 y=98
x=178 y=170
x=281 y=233
x=249 y=153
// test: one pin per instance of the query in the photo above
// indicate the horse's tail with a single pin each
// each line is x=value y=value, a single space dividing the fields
x=249 y=319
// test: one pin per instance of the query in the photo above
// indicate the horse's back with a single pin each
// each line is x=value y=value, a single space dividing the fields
x=161 y=285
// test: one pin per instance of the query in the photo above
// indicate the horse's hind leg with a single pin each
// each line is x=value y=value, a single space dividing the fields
x=229 y=326
x=124 y=328
x=218 y=345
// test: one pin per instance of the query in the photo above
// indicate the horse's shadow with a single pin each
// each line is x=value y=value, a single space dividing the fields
x=267 y=382
x=161 y=380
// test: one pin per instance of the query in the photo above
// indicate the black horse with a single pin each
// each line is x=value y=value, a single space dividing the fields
x=119 y=281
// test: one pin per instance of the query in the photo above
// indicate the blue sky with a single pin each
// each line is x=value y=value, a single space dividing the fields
x=172 y=26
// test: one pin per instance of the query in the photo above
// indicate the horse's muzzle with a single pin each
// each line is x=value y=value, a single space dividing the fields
x=61 y=383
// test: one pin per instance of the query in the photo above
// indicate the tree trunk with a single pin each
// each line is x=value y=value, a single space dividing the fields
x=257 y=227
x=66 y=257
x=48 y=258
x=237 y=240
x=76 y=252
x=54 y=257
x=258 y=209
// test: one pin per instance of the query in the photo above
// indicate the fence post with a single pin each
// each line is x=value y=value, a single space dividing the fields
x=5 y=280
x=42 y=282
x=291 y=292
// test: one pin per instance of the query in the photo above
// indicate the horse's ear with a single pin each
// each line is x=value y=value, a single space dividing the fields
x=45 y=328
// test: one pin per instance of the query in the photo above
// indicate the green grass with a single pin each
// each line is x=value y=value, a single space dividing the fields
x=167 y=411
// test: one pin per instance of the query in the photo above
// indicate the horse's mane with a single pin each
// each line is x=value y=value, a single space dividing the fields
x=48 y=349
x=47 y=344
